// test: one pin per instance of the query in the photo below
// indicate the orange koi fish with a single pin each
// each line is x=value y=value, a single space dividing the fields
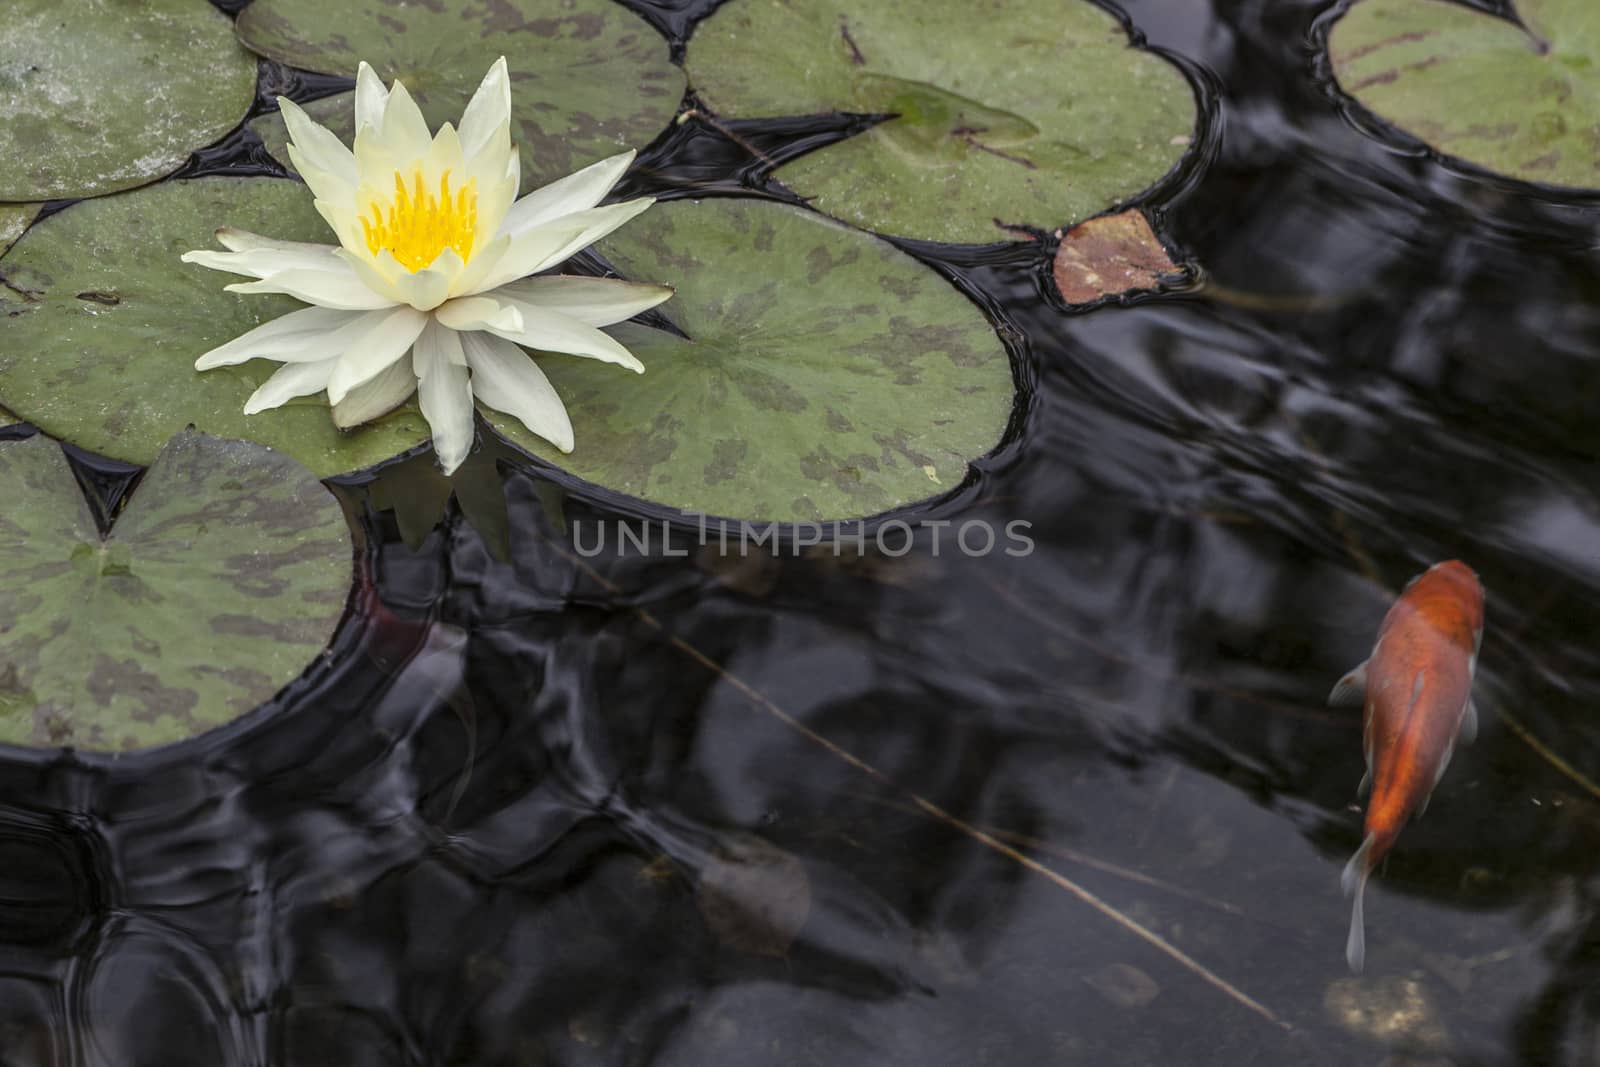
x=1417 y=688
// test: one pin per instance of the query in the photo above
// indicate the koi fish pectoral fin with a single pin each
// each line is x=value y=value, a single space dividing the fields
x=1366 y=783
x=1351 y=690
x=1469 y=723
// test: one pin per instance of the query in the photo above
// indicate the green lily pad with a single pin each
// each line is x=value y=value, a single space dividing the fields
x=1031 y=112
x=14 y=218
x=830 y=375
x=589 y=78
x=71 y=72
x=223 y=578
x=1521 y=102
x=101 y=342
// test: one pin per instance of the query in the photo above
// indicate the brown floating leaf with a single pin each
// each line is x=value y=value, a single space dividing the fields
x=754 y=896
x=1110 y=255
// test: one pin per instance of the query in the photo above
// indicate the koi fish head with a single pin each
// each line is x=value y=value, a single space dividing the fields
x=1449 y=597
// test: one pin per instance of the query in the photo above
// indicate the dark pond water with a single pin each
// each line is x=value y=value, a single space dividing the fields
x=928 y=808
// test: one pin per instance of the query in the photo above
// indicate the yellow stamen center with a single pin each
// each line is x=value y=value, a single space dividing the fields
x=419 y=225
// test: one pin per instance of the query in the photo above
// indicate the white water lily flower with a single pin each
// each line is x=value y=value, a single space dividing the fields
x=434 y=259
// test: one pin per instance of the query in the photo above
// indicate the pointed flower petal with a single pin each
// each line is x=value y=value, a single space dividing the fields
x=470 y=313
x=265 y=262
x=380 y=273
x=377 y=396
x=544 y=247
x=385 y=340
x=299 y=335
x=505 y=378
x=486 y=123
x=321 y=158
x=593 y=301
x=236 y=240
x=482 y=265
x=405 y=131
x=325 y=288
x=289 y=381
x=578 y=191
x=444 y=389
x=551 y=331
x=371 y=98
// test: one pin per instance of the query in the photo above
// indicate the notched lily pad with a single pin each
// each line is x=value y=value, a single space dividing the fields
x=588 y=77
x=223 y=578
x=1521 y=100
x=103 y=325
x=69 y=70
x=1009 y=112
x=829 y=375
x=1111 y=255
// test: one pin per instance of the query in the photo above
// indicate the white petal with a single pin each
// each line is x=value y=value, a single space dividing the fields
x=345 y=222
x=545 y=246
x=377 y=396
x=470 y=313
x=289 y=381
x=265 y=262
x=283 y=338
x=341 y=289
x=315 y=147
x=444 y=388
x=444 y=153
x=381 y=273
x=594 y=301
x=405 y=131
x=486 y=123
x=551 y=331
x=506 y=379
x=578 y=191
x=483 y=262
x=386 y=340
x=430 y=287
x=235 y=240
x=371 y=97
x=334 y=200
x=497 y=179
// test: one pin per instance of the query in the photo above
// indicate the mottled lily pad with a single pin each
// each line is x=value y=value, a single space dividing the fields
x=589 y=78
x=14 y=218
x=829 y=374
x=1522 y=100
x=103 y=325
x=223 y=578
x=101 y=95
x=1033 y=112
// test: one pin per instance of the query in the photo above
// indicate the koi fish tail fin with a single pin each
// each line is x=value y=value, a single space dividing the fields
x=1354 y=882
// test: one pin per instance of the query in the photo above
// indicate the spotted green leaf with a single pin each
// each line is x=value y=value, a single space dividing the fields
x=14 y=218
x=588 y=77
x=101 y=95
x=102 y=325
x=1520 y=100
x=222 y=579
x=1008 y=111
x=829 y=375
